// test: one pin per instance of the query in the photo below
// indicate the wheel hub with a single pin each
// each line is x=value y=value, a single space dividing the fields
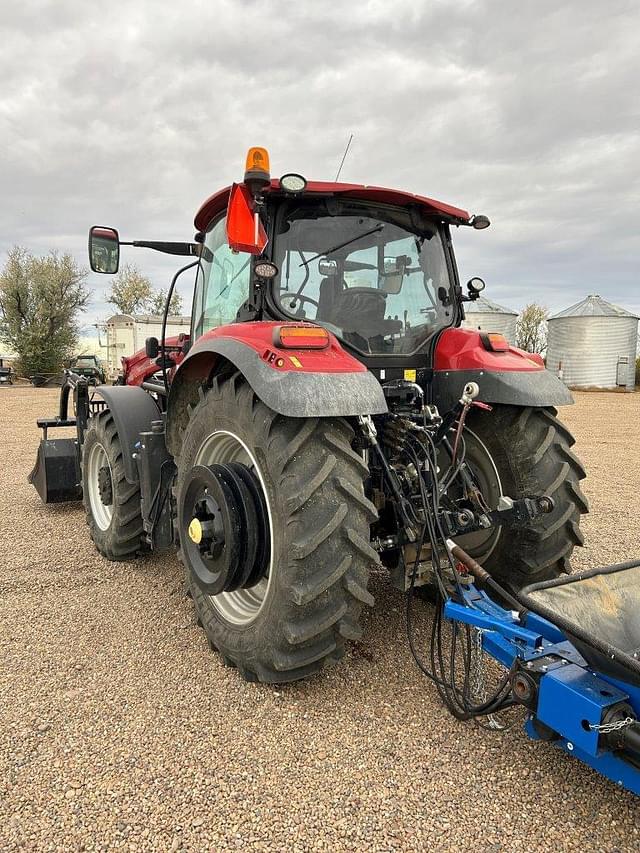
x=105 y=485
x=224 y=527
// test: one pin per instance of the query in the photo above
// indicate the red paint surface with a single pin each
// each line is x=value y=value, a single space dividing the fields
x=259 y=336
x=462 y=349
x=535 y=356
x=137 y=368
x=457 y=349
x=217 y=203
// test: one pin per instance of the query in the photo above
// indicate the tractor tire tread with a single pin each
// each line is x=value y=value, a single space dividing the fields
x=122 y=541
x=532 y=449
x=322 y=515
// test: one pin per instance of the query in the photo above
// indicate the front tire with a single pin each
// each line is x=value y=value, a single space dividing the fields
x=531 y=451
x=111 y=503
x=298 y=616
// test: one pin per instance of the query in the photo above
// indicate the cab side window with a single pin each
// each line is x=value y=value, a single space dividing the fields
x=222 y=282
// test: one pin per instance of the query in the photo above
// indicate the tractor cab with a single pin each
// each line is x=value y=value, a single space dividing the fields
x=373 y=266
x=6 y=373
x=381 y=285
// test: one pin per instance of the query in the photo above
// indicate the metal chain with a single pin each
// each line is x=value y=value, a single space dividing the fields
x=478 y=689
x=605 y=728
x=478 y=684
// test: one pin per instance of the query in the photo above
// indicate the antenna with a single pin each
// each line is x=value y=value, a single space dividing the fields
x=344 y=157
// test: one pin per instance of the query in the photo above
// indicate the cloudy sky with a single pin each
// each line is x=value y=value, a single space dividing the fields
x=131 y=113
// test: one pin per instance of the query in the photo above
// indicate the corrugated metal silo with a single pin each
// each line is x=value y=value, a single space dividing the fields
x=593 y=345
x=488 y=316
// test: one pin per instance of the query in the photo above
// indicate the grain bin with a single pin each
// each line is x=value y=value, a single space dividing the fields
x=488 y=316
x=593 y=345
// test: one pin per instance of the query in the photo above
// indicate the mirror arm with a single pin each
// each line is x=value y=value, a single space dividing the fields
x=167 y=248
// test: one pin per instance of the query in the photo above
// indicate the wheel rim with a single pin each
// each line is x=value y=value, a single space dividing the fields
x=102 y=514
x=481 y=543
x=242 y=606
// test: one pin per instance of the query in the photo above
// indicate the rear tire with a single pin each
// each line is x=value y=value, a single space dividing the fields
x=299 y=620
x=531 y=450
x=116 y=527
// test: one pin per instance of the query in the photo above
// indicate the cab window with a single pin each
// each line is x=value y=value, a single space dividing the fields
x=374 y=282
x=222 y=282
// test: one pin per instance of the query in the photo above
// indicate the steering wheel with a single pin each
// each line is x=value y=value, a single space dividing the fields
x=298 y=297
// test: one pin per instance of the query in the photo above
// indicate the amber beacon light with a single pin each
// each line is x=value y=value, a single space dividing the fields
x=257 y=173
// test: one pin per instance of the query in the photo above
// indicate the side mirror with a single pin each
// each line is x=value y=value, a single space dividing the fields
x=327 y=267
x=104 y=249
x=475 y=286
x=393 y=273
x=152 y=347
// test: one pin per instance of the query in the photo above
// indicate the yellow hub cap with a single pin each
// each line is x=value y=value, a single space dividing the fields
x=195 y=531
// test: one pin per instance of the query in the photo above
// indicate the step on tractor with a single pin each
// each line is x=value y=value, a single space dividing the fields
x=328 y=415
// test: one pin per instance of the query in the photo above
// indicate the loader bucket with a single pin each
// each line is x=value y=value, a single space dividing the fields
x=599 y=611
x=56 y=474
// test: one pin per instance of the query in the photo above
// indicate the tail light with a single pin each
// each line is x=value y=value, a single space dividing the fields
x=494 y=341
x=301 y=337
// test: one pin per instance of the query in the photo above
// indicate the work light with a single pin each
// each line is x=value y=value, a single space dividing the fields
x=293 y=183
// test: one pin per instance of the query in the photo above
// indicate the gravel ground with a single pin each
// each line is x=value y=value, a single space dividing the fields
x=120 y=730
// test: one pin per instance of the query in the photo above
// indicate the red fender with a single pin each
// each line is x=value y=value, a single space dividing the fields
x=463 y=349
x=512 y=377
x=297 y=383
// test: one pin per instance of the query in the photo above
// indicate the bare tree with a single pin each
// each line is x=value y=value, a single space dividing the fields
x=531 y=329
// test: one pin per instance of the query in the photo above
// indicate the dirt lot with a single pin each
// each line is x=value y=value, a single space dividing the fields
x=120 y=730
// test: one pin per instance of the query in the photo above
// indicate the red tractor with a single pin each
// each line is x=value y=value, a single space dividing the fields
x=326 y=414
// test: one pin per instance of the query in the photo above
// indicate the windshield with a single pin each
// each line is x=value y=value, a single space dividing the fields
x=373 y=282
x=86 y=361
x=222 y=281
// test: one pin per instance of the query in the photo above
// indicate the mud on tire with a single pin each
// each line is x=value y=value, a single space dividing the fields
x=313 y=484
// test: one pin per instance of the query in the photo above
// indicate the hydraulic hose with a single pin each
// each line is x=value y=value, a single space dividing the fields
x=484 y=578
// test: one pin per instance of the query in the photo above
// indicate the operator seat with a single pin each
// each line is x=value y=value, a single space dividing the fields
x=329 y=299
x=358 y=312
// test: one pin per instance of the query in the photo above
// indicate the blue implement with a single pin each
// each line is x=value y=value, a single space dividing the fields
x=575 y=670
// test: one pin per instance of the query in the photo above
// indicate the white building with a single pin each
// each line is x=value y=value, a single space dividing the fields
x=125 y=334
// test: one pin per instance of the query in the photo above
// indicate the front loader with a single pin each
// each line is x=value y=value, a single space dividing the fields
x=327 y=413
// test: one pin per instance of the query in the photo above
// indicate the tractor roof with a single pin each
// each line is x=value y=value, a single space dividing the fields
x=218 y=201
